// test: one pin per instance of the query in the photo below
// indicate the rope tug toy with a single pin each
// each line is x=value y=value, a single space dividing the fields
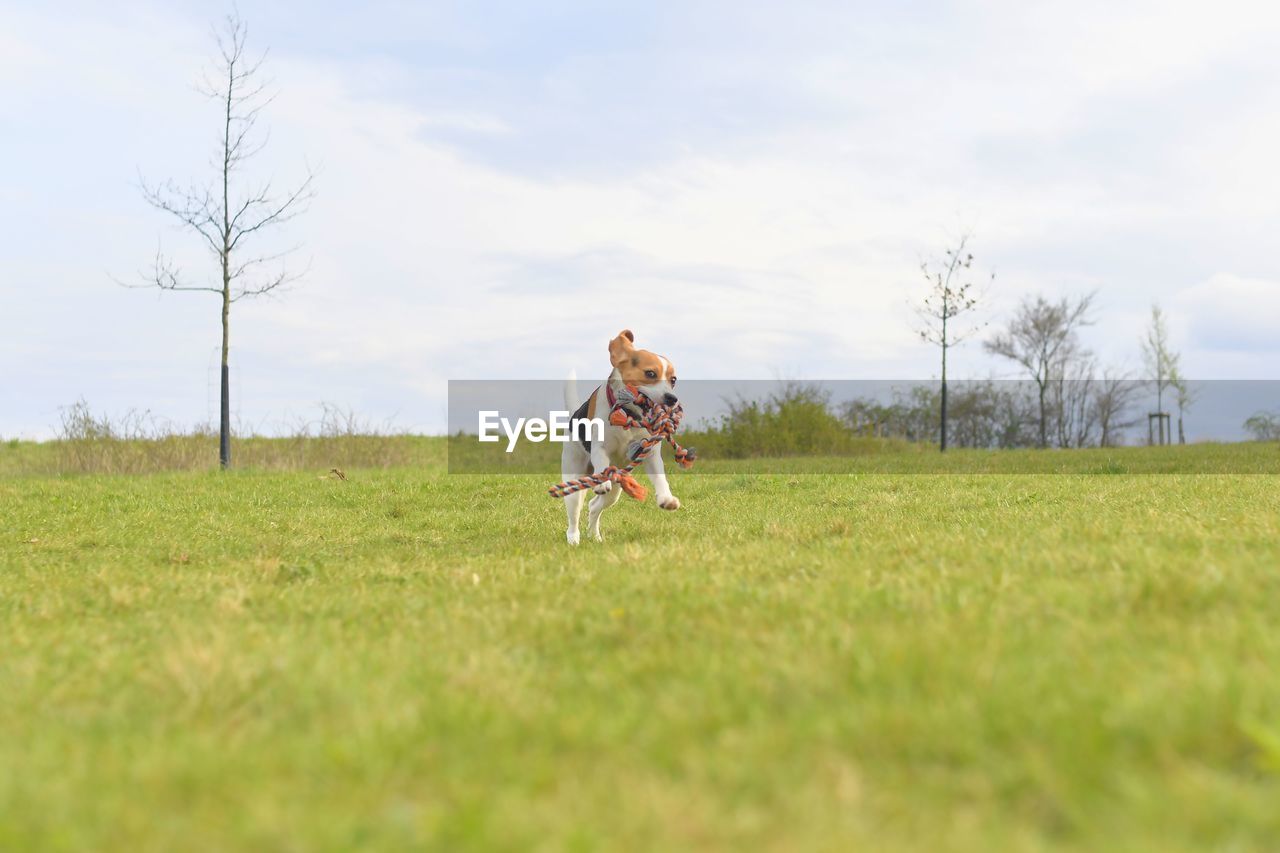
x=632 y=409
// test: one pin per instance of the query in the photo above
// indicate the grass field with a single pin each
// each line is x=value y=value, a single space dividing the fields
x=283 y=660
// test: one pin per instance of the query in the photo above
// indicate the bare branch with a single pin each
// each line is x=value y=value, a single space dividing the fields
x=239 y=150
x=242 y=267
x=164 y=276
x=295 y=204
x=281 y=280
x=195 y=207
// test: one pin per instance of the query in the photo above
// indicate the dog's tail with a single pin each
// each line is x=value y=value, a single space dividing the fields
x=571 y=400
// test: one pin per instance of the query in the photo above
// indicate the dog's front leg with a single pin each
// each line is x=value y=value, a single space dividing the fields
x=606 y=494
x=596 y=508
x=658 y=476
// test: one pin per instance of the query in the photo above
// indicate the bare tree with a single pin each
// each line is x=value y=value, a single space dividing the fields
x=951 y=294
x=1159 y=360
x=1112 y=398
x=1073 y=399
x=226 y=217
x=1184 y=395
x=1043 y=338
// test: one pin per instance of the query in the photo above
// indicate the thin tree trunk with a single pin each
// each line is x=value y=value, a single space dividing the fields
x=224 y=425
x=224 y=420
x=943 y=441
x=1044 y=418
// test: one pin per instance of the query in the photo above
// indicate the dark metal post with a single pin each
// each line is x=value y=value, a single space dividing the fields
x=224 y=430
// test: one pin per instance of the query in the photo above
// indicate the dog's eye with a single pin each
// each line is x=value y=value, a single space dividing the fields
x=649 y=374
x=673 y=382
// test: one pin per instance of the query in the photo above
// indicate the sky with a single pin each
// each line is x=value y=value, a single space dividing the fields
x=749 y=186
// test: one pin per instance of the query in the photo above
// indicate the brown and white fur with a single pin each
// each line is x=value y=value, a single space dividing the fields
x=655 y=376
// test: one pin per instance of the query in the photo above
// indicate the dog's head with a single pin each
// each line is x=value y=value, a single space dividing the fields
x=654 y=375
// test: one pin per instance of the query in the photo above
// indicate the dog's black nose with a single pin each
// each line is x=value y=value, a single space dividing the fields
x=669 y=399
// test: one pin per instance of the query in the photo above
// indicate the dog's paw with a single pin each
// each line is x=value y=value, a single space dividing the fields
x=603 y=488
x=669 y=503
x=572 y=536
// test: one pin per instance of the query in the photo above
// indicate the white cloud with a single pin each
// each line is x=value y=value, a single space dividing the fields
x=751 y=203
x=1233 y=314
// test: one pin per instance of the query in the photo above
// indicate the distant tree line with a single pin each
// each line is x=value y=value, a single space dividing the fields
x=1071 y=412
x=1069 y=400
x=800 y=418
x=988 y=414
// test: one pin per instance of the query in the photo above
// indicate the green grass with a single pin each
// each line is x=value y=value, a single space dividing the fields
x=279 y=660
x=880 y=456
x=199 y=452
x=463 y=454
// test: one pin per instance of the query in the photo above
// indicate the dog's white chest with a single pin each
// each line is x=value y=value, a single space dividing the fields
x=616 y=442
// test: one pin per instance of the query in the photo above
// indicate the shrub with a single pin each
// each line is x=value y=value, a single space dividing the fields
x=139 y=443
x=795 y=421
x=1264 y=426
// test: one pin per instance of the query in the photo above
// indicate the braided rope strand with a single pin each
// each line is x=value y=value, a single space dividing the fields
x=660 y=421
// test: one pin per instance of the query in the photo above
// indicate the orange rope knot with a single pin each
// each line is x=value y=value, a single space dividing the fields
x=632 y=410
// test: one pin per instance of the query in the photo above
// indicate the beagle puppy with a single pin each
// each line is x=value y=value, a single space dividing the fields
x=655 y=377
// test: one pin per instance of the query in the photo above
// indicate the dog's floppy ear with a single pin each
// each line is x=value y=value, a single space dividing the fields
x=620 y=348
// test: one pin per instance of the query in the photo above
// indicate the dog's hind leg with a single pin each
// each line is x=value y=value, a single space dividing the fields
x=573 y=464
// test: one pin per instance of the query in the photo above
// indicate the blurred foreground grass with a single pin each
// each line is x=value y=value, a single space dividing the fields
x=281 y=659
